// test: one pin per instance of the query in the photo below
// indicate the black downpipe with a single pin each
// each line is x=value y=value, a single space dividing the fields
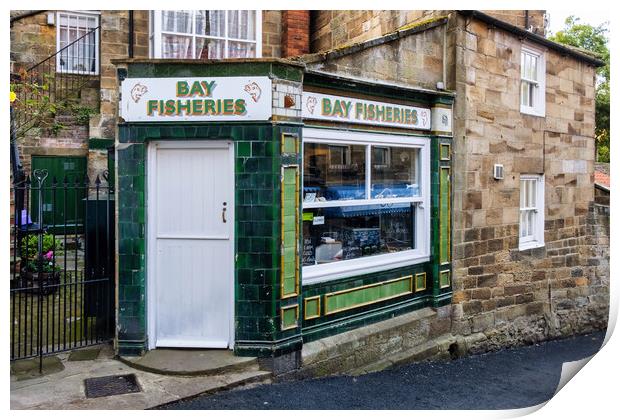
x=527 y=20
x=131 y=35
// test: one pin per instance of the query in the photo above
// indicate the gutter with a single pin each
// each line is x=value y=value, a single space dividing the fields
x=522 y=33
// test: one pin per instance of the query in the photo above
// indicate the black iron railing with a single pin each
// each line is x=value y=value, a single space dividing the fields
x=45 y=87
x=62 y=264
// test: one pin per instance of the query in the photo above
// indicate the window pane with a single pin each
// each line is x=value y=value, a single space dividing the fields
x=334 y=172
x=241 y=24
x=176 y=21
x=211 y=22
x=174 y=46
x=522 y=194
x=350 y=232
x=241 y=49
x=530 y=222
x=394 y=172
x=76 y=48
x=522 y=221
x=209 y=48
x=532 y=193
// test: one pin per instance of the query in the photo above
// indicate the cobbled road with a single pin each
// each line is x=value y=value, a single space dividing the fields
x=513 y=378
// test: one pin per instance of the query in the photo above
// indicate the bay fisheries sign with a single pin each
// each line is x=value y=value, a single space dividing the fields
x=196 y=99
x=359 y=111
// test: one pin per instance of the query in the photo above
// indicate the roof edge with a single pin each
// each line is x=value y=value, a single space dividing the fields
x=476 y=14
x=284 y=61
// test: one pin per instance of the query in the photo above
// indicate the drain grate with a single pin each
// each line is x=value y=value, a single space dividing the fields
x=111 y=385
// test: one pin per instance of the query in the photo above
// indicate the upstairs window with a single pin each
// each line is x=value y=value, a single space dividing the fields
x=531 y=212
x=77 y=43
x=532 y=82
x=206 y=34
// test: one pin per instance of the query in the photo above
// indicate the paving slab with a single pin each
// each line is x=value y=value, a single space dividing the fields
x=65 y=389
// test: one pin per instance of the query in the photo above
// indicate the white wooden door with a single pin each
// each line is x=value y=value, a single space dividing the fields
x=191 y=244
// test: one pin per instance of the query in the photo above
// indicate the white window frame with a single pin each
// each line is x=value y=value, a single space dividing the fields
x=155 y=34
x=336 y=270
x=78 y=13
x=537 y=238
x=538 y=104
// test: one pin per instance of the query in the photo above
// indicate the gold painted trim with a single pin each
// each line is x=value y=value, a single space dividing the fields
x=296 y=292
x=446 y=145
x=449 y=241
x=440 y=105
x=340 y=292
x=449 y=279
x=318 y=305
x=284 y=308
x=415 y=282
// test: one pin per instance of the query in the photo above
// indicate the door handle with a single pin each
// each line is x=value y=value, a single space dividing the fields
x=224 y=212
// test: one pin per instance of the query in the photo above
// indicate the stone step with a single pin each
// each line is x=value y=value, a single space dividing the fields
x=192 y=362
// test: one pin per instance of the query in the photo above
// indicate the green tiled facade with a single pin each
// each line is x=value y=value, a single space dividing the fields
x=274 y=310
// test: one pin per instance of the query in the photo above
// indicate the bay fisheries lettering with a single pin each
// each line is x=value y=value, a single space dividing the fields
x=360 y=111
x=196 y=99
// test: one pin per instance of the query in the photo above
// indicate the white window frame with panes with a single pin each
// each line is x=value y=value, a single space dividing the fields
x=533 y=75
x=531 y=211
x=318 y=273
x=79 y=23
x=157 y=31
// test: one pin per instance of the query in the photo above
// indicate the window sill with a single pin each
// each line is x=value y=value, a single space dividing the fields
x=337 y=270
x=532 y=111
x=530 y=245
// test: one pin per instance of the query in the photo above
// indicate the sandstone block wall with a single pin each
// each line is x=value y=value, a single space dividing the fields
x=415 y=60
x=272 y=33
x=511 y=295
x=335 y=28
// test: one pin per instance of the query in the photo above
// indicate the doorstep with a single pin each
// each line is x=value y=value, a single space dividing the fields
x=64 y=389
x=191 y=362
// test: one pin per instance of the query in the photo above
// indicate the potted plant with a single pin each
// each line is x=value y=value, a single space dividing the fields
x=39 y=271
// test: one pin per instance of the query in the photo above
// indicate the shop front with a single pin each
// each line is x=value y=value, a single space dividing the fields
x=262 y=205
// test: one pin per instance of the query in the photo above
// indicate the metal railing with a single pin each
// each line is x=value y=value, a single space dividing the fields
x=45 y=87
x=62 y=265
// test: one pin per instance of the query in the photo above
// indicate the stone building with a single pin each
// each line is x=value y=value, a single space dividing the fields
x=496 y=121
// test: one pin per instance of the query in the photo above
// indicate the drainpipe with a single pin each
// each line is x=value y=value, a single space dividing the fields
x=527 y=20
x=445 y=54
x=131 y=31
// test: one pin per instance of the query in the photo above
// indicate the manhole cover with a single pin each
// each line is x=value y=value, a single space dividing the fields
x=111 y=385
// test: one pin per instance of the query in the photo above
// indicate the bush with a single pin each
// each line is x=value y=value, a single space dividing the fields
x=50 y=249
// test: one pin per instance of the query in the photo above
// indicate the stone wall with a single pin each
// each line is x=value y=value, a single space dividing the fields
x=335 y=28
x=511 y=296
x=272 y=33
x=32 y=40
x=414 y=60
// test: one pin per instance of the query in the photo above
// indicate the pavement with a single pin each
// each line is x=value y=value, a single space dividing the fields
x=61 y=386
x=508 y=379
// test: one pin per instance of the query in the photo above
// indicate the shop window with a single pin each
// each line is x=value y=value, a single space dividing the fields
x=531 y=212
x=75 y=32
x=205 y=34
x=365 y=200
x=532 y=82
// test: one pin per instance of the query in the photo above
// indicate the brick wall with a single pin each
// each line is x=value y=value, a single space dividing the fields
x=509 y=295
x=295 y=32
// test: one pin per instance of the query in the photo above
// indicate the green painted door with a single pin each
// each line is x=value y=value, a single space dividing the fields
x=61 y=206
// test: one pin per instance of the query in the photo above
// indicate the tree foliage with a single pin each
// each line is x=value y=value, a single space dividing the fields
x=593 y=39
